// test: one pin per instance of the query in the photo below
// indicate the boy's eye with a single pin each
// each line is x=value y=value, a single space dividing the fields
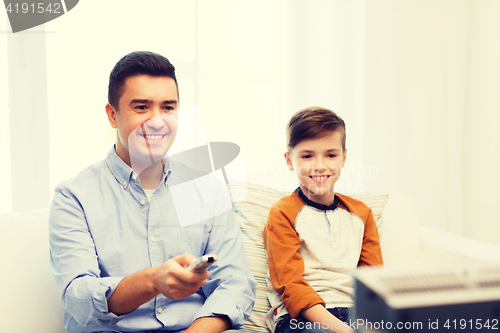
x=332 y=155
x=306 y=156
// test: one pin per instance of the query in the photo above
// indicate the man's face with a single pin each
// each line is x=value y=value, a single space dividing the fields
x=146 y=119
x=318 y=163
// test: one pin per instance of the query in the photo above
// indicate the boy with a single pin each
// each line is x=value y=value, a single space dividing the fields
x=315 y=237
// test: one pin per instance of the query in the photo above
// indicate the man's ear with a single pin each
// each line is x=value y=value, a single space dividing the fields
x=345 y=155
x=288 y=161
x=111 y=112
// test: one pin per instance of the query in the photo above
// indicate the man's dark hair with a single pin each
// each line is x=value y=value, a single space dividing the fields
x=137 y=63
x=311 y=123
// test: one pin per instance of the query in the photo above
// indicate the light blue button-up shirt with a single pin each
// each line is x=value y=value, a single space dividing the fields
x=103 y=228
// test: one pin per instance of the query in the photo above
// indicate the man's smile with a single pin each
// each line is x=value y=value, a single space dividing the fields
x=153 y=136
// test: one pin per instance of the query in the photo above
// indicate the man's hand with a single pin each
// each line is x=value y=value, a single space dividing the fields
x=209 y=325
x=173 y=280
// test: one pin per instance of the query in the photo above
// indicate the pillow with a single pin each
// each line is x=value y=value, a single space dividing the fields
x=251 y=214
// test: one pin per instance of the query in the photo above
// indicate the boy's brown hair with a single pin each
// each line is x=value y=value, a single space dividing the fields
x=313 y=122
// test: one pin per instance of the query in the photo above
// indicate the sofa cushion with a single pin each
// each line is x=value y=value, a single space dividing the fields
x=251 y=213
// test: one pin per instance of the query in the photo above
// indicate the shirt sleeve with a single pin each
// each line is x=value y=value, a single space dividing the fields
x=230 y=289
x=73 y=261
x=286 y=266
x=371 y=253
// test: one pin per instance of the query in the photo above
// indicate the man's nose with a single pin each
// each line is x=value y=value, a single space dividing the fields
x=156 y=121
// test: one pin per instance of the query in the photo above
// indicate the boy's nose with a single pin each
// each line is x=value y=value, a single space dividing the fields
x=319 y=165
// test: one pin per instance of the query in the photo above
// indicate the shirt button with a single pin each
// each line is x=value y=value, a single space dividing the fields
x=143 y=202
x=134 y=177
x=160 y=310
x=124 y=183
x=153 y=239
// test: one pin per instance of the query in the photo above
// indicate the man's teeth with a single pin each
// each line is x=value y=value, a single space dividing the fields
x=154 y=137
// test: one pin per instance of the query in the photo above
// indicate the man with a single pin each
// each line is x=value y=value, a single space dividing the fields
x=119 y=251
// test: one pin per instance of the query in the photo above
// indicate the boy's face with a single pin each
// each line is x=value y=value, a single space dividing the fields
x=318 y=163
x=146 y=119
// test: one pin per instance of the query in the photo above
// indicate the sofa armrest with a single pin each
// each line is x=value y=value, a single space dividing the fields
x=400 y=234
x=441 y=247
x=29 y=292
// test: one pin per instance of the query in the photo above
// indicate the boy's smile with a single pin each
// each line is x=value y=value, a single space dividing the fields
x=318 y=163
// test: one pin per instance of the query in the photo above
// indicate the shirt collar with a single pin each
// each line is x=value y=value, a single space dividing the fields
x=122 y=172
x=167 y=168
x=316 y=205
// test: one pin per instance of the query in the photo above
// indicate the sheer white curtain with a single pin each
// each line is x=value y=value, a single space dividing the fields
x=432 y=112
x=5 y=168
x=24 y=121
x=416 y=82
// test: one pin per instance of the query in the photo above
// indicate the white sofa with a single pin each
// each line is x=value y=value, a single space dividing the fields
x=30 y=301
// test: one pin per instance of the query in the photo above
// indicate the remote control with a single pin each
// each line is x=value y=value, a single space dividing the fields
x=201 y=264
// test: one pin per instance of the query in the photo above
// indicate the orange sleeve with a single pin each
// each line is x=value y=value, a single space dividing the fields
x=371 y=253
x=286 y=266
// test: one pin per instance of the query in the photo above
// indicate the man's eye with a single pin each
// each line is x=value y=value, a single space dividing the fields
x=141 y=107
x=168 y=108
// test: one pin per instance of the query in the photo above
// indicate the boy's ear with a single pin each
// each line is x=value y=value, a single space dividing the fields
x=288 y=161
x=345 y=155
x=111 y=112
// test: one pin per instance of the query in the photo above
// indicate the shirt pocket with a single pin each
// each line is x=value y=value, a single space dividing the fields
x=192 y=240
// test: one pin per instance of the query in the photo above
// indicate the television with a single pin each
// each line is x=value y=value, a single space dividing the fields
x=427 y=299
